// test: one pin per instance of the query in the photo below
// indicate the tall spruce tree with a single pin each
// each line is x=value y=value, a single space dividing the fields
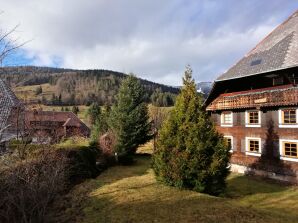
x=190 y=152
x=100 y=124
x=94 y=112
x=129 y=119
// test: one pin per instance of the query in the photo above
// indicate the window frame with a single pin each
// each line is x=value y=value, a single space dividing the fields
x=222 y=123
x=251 y=153
x=232 y=142
x=247 y=124
x=282 y=150
x=281 y=119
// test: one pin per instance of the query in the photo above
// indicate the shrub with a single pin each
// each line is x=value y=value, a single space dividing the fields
x=28 y=188
x=81 y=163
x=190 y=153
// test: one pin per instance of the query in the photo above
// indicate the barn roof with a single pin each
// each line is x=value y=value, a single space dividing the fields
x=277 y=51
x=8 y=100
x=67 y=118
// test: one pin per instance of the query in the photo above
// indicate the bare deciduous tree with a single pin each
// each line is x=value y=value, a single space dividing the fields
x=158 y=115
x=8 y=43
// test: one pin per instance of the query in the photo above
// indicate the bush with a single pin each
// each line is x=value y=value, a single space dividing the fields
x=190 y=153
x=82 y=163
x=28 y=188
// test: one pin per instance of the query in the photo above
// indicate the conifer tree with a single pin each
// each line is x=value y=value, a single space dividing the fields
x=94 y=112
x=190 y=152
x=100 y=124
x=129 y=119
x=75 y=109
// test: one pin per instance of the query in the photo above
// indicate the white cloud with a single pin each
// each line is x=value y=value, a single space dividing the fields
x=154 y=39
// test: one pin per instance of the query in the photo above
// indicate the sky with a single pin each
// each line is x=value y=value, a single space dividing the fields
x=153 y=39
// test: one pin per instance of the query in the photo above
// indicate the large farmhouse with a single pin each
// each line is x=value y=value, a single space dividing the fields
x=255 y=106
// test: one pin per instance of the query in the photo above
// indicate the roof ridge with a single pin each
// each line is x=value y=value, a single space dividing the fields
x=276 y=51
x=274 y=30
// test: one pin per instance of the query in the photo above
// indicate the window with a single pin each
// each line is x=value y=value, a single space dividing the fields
x=255 y=62
x=229 y=140
x=288 y=149
x=278 y=81
x=288 y=118
x=227 y=119
x=253 y=146
x=253 y=118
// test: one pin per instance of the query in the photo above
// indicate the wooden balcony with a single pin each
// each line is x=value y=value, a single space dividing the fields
x=266 y=97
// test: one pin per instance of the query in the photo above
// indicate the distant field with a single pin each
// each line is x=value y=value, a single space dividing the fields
x=131 y=194
x=28 y=92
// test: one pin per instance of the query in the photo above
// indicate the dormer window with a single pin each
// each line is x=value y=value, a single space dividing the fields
x=253 y=118
x=255 y=62
x=227 y=119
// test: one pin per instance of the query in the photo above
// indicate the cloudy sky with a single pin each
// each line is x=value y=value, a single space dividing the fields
x=154 y=39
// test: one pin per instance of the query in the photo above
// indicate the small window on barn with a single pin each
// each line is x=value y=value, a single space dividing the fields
x=253 y=146
x=288 y=117
x=229 y=141
x=227 y=119
x=289 y=150
x=253 y=118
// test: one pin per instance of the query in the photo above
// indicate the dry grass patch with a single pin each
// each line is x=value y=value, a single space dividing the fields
x=131 y=194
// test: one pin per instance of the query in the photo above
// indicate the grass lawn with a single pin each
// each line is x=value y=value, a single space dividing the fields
x=131 y=194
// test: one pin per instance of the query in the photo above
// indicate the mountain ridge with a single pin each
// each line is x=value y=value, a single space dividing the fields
x=75 y=86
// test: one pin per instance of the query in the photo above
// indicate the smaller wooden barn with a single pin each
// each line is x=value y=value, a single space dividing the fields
x=52 y=126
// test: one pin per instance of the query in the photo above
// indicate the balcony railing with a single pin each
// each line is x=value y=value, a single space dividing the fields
x=255 y=99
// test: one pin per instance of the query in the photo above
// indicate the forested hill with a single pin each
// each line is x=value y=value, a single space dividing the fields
x=71 y=86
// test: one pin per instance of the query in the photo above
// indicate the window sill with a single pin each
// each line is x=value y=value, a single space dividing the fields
x=252 y=154
x=226 y=125
x=287 y=126
x=253 y=126
x=289 y=159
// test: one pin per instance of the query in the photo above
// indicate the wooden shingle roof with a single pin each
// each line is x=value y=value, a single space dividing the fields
x=67 y=118
x=8 y=100
x=277 y=51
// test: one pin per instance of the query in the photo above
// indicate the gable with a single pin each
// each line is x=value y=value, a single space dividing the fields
x=277 y=51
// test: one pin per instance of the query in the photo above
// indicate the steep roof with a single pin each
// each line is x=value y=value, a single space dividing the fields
x=277 y=51
x=8 y=100
x=67 y=118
